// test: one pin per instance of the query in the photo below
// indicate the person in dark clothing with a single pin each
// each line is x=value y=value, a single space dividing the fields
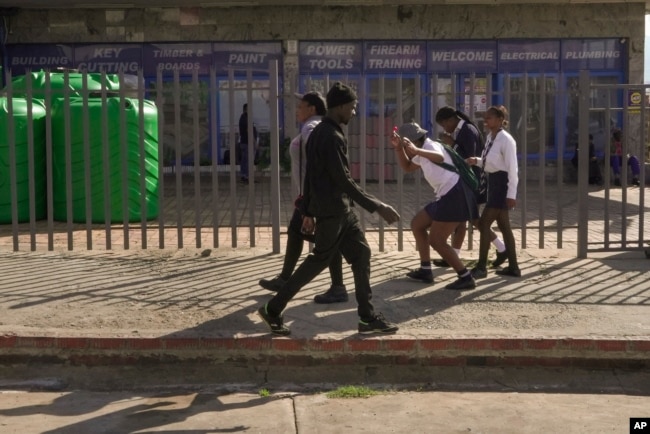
x=244 y=143
x=329 y=193
x=310 y=111
x=617 y=159
x=595 y=176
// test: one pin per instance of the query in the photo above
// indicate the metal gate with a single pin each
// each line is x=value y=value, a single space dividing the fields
x=613 y=218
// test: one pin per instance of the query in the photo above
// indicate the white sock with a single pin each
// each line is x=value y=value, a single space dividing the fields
x=498 y=243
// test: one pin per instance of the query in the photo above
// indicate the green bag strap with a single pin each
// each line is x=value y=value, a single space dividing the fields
x=451 y=167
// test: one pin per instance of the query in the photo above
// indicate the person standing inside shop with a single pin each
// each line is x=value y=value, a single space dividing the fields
x=617 y=159
x=329 y=194
x=244 y=143
x=499 y=162
x=310 y=111
x=463 y=136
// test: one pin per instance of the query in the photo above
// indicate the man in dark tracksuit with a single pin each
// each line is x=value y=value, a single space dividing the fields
x=329 y=192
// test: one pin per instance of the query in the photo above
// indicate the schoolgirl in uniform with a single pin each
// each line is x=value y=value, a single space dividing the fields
x=454 y=203
x=499 y=163
x=463 y=136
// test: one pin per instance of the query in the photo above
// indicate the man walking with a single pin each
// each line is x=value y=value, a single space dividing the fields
x=309 y=113
x=329 y=194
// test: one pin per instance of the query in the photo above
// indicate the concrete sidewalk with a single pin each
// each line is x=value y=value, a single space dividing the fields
x=133 y=308
x=395 y=411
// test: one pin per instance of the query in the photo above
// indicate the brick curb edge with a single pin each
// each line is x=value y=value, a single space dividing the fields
x=488 y=351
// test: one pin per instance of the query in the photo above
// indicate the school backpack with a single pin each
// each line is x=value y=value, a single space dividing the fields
x=461 y=167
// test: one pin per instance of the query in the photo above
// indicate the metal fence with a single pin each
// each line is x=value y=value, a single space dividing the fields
x=94 y=161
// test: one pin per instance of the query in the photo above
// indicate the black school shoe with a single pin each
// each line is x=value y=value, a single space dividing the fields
x=379 y=324
x=440 y=263
x=275 y=323
x=336 y=294
x=501 y=258
x=274 y=284
x=425 y=276
x=462 y=283
x=478 y=273
x=509 y=271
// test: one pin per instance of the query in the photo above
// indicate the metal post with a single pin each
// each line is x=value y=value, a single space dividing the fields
x=583 y=162
x=275 y=156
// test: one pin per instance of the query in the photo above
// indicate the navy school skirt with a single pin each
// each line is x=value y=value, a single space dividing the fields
x=458 y=205
x=497 y=190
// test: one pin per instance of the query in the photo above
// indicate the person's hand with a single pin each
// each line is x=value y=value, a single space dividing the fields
x=472 y=161
x=510 y=203
x=396 y=140
x=388 y=213
x=409 y=147
x=307 y=225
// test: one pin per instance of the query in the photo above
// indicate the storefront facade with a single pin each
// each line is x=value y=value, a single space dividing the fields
x=467 y=56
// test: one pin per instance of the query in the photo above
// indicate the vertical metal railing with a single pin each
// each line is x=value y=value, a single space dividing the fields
x=215 y=153
x=185 y=206
x=583 y=156
x=275 y=156
x=160 y=103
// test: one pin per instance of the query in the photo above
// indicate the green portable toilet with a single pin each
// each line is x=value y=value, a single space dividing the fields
x=103 y=170
x=57 y=84
x=21 y=127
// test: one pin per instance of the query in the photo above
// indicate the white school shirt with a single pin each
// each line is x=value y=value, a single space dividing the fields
x=502 y=156
x=294 y=153
x=439 y=178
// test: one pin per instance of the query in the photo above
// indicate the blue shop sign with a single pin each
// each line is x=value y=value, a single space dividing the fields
x=395 y=56
x=462 y=56
x=330 y=57
x=35 y=57
x=529 y=56
x=109 y=58
x=243 y=56
x=593 y=54
x=184 y=58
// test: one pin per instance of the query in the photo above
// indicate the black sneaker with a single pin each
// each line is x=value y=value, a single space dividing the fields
x=272 y=284
x=425 y=276
x=440 y=263
x=509 y=271
x=479 y=273
x=377 y=325
x=501 y=258
x=462 y=283
x=275 y=323
x=336 y=294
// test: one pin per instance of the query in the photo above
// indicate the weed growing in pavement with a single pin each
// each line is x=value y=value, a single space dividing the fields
x=264 y=393
x=352 y=392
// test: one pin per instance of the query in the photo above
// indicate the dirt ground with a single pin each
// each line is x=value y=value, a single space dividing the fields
x=214 y=292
